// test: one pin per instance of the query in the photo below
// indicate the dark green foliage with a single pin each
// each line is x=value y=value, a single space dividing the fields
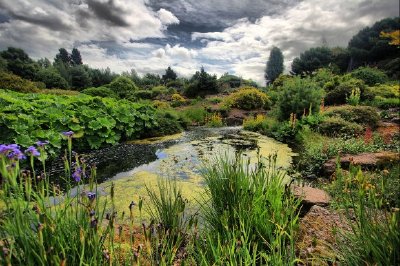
x=100 y=91
x=227 y=81
x=340 y=88
x=167 y=122
x=101 y=121
x=151 y=80
x=368 y=47
x=76 y=58
x=201 y=84
x=51 y=78
x=123 y=87
x=337 y=127
x=3 y=64
x=341 y=59
x=64 y=70
x=19 y=63
x=298 y=95
x=80 y=78
x=169 y=75
x=13 y=82
x=363 y=115
x=44 y=63
x=274 y=65
x=63 y=57
x=371 y=76
x=101 y=77
x=312 y=60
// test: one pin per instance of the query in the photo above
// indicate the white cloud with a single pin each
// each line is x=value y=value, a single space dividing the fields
x=167 y=17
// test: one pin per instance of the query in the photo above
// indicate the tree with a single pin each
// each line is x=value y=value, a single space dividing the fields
x=19 y=63
x=44 y=62
x=274 y=65
x=312 y=60
x=101 y=77
x=51 y=78
x=80 y=78
x=169 y=75
x=202 y=84
x=122 y=86
x=76 y=58
x=63 y=56
x=368 y=47
x=3 y=64
x=151 y=80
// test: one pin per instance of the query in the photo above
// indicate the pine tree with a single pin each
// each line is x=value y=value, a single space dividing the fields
x=76 y=57
x=63 y=56
x=274 y=65
x=169 y=75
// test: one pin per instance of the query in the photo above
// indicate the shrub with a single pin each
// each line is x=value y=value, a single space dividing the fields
x=338 y=91
x=386 y=103
x=161 y=105
x=248 y=98
x=364 y=115
x=122 y=86
x=13 y=82
x=51 y=78
x=177 y=100
x=337 y=126
x=371 y=76
x=59 y=92
x=256 y=124
x=167 y=122
x=195 y=114
x=383 y=90
x=297 y=95
x=144 y=94
x=214 y=120
x=100 y=91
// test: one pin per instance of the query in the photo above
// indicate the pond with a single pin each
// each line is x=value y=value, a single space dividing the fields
x=133 y=166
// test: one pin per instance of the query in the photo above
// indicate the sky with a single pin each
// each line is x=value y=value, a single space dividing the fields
x=223 y=36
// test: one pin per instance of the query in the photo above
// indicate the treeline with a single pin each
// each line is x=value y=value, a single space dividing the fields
x=67 y=71
x=376 y=46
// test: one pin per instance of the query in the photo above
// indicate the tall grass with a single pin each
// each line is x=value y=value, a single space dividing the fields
x=250 y=216
x=374 y=238
x=40 y=224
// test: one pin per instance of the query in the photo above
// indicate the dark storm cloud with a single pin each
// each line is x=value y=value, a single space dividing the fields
x=51 y=22
x=108 y=11
x=222 y=13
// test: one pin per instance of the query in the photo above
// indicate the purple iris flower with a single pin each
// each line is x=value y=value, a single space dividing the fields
x=12 y=151
x=68 y=133
x=77 y=174
x=91 y=195
x=42 y=143
x=32 y=151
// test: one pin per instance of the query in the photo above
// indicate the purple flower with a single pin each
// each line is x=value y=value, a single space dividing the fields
x=92 y=213
x=12 y=151
x=32 y=151
x=93 y=222
x=77 y=174
x=42 y=143
x=91 y=195
x=68 y=133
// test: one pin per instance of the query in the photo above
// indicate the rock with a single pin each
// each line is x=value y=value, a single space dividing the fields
x=310 y=196
x=365 y=160
x=317 y=237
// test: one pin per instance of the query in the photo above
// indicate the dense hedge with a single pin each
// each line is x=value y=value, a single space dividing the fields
x=26 y=118
x=248 y=98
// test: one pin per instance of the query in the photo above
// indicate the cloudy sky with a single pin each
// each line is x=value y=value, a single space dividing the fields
x=232 y=36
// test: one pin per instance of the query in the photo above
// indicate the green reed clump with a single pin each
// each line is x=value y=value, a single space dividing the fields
x=42 y=225
x=374 y=238
x=170 y=236
x=250 y=216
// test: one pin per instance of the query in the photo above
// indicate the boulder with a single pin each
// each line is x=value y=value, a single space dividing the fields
x=367 y=161
x=310 y=196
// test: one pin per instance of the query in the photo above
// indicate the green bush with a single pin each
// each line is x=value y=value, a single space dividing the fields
x=100 y=91
x=144 y=94
x=122 y=86
x=340 y=89
x=383 y=90
x=195 y=114
x=371 y=76
x=386 y=103
x=297 y=95
x=168 y=122
x=51 y=78
x=364 y=115
x=248 y=98
x=13 y=82
x=337 y=126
